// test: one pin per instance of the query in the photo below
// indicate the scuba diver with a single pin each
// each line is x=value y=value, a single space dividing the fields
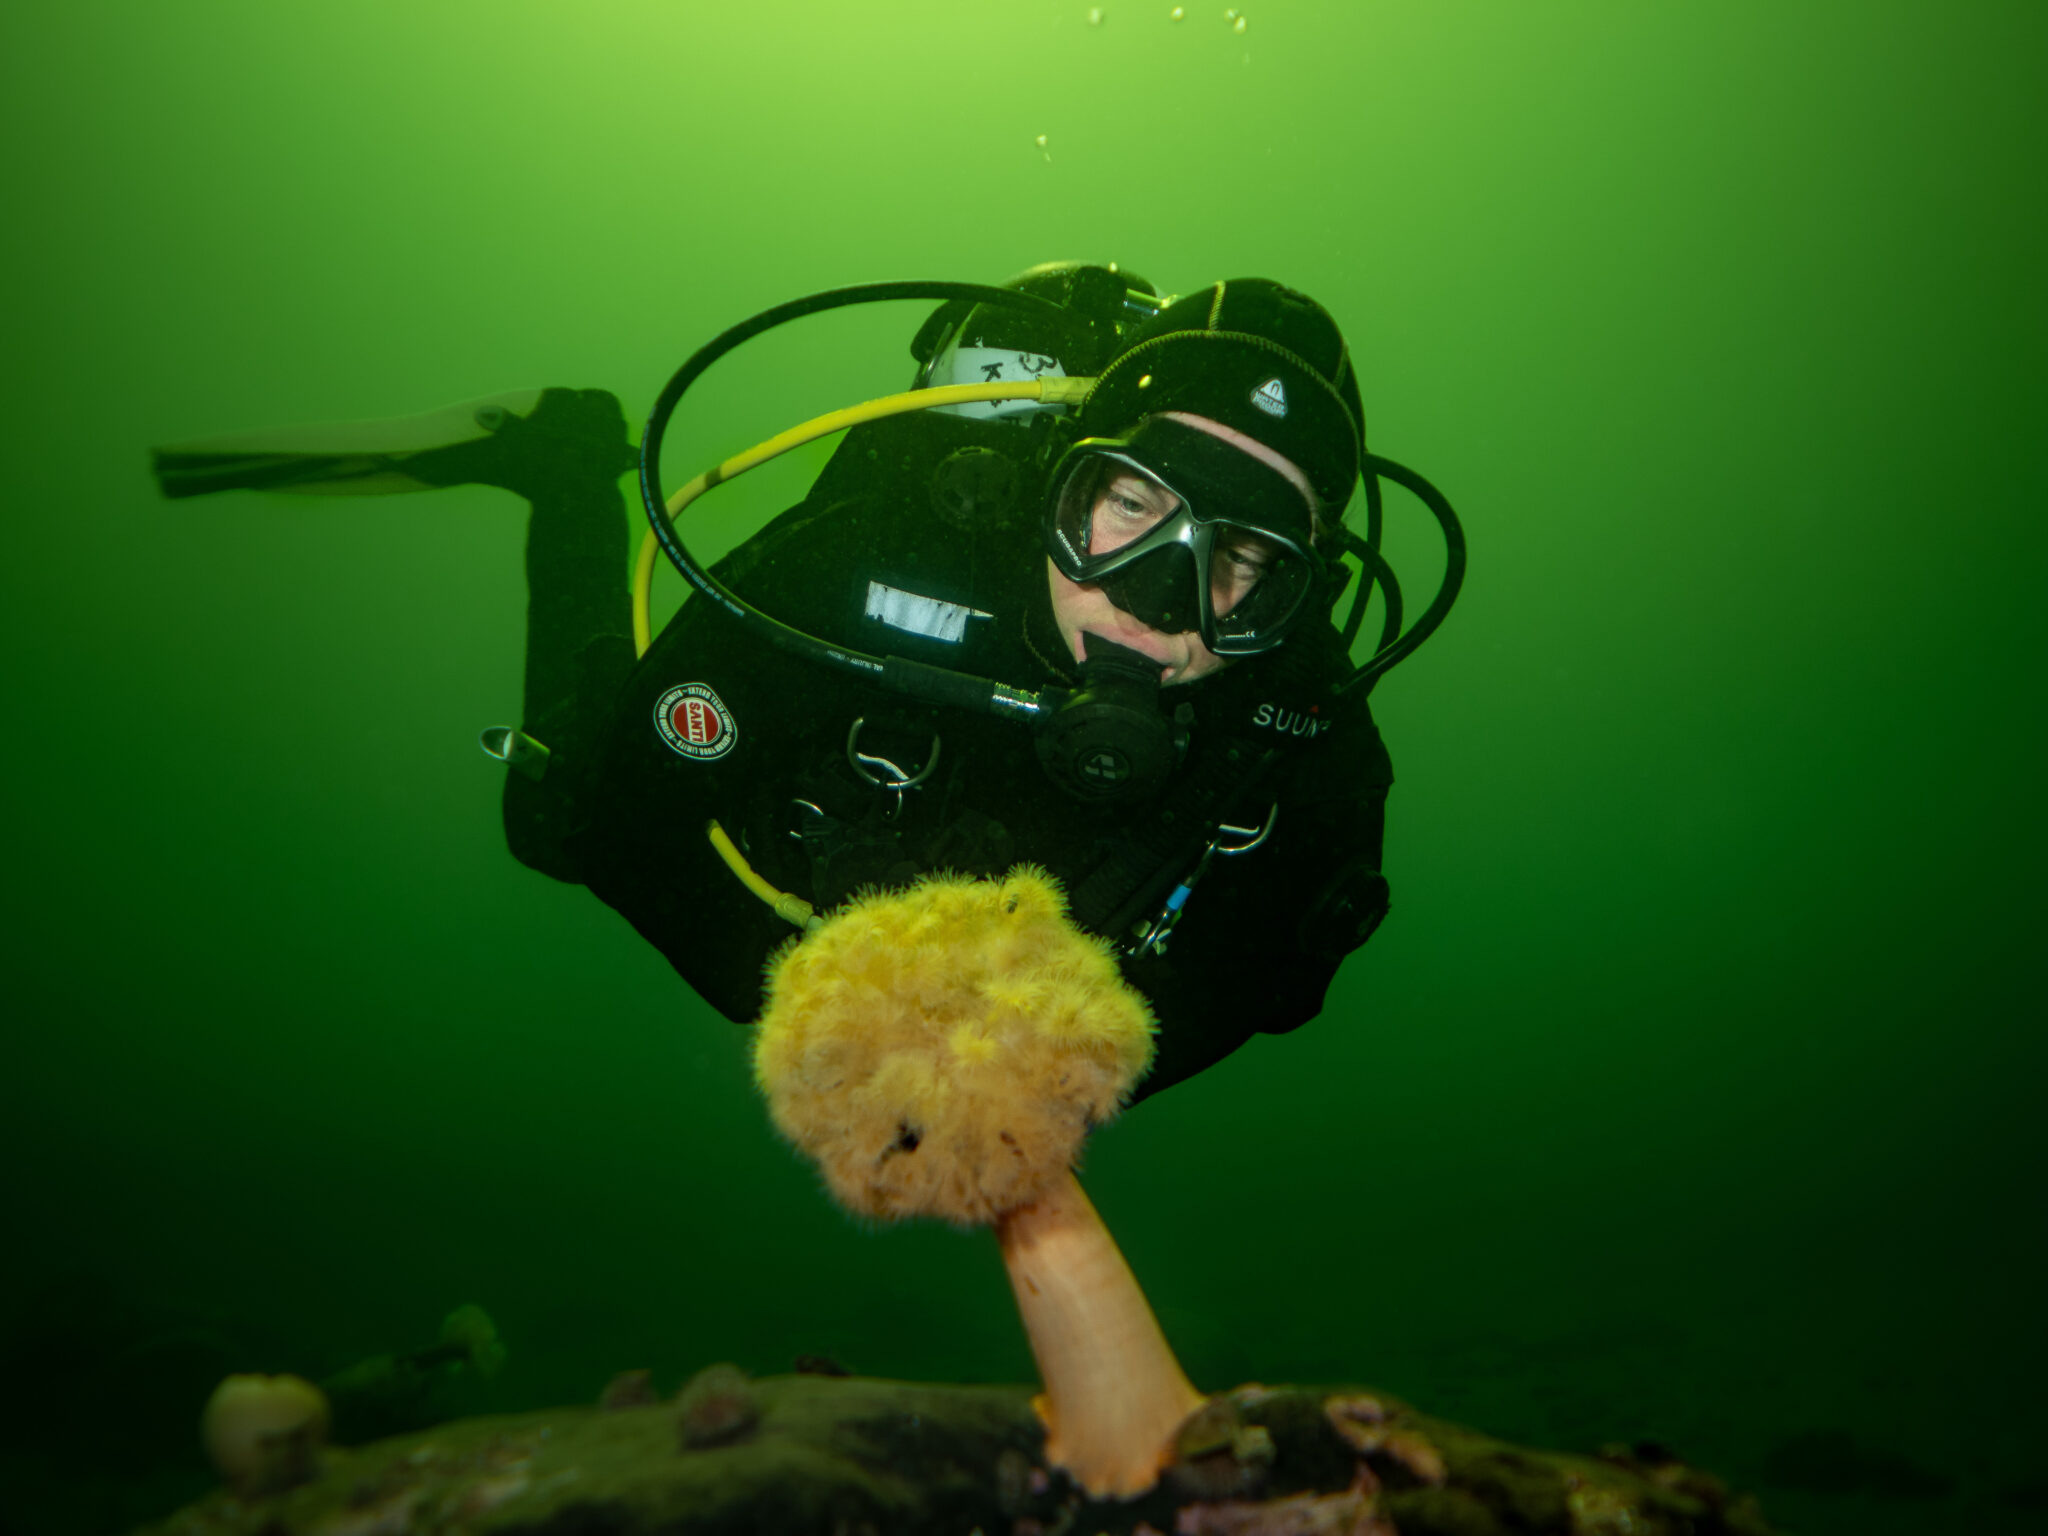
x=1070 y=601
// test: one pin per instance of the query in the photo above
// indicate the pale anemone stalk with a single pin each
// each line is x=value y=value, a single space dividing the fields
x=944 y=1051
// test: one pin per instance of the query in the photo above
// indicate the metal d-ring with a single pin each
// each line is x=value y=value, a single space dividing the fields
x=863 y=762
x=1153 y=936
x=1257 y=837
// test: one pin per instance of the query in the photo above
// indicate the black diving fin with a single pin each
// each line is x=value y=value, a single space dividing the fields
x=521 y=441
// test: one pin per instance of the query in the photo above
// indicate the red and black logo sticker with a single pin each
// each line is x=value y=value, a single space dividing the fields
x=695 y=722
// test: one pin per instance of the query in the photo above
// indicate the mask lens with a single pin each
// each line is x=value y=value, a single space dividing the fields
x=1239 y=564
x=1105 y=506
x=1255 y=584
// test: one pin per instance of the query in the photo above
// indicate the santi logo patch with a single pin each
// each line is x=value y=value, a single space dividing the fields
x=1271 y=397
x=694 y=721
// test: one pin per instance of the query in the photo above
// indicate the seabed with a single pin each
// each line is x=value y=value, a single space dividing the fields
x=855 y=1456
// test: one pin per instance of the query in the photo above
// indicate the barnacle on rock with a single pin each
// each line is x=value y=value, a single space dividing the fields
x=716 y=1407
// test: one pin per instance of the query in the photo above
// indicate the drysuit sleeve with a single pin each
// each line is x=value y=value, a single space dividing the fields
x=707 y=730
x=713 y=724
x=565 y=458
x=1262 y=934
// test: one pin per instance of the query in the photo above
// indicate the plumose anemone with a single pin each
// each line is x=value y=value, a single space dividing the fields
x=944 y=1051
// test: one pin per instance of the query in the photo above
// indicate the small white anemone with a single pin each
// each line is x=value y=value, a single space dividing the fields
x=264 y=1433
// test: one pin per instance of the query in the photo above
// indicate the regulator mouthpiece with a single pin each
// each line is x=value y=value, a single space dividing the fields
x=1110 y=741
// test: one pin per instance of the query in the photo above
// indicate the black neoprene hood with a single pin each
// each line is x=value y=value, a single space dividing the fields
x=1256 y=356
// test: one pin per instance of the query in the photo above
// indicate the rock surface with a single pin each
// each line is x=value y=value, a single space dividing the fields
x=854 y=1456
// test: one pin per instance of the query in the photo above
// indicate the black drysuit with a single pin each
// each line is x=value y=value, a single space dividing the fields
x=915 y=520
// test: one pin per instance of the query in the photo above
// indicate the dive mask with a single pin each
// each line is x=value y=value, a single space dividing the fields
x=1184 y=531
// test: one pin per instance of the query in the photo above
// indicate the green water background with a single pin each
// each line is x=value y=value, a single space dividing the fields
x=1691 y=1091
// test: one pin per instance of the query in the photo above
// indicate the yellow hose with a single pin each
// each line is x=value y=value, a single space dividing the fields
x=1053 y=391
x=793 y=909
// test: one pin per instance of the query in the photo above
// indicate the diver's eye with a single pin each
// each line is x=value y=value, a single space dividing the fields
x=1124 y=509
x=1245 y=562
x=1235 y=570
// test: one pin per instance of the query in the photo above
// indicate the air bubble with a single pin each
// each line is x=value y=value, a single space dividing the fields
x=1094 y=15
x=1040 y=141
x=1237 y=25
x=1178 y=13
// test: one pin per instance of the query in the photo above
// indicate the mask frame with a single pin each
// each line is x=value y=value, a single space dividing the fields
x=1176 y=458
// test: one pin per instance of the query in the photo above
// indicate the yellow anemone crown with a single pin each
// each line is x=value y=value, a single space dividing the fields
x=945 y=1050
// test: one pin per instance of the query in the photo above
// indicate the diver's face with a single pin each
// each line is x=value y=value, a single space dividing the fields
x=1087 y=610
x=1125 y=508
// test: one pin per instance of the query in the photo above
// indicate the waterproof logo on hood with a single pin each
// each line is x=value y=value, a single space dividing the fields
x=694 y=721
x=1271 y=397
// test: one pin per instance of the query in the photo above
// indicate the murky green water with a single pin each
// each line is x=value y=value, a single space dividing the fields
x=1690 y=1091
